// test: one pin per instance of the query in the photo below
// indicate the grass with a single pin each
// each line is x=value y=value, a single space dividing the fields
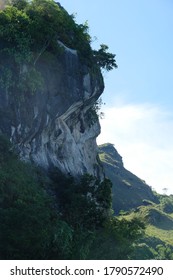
x=102 y=157
x=158 y=223
x=106 y=158
x=162 y=234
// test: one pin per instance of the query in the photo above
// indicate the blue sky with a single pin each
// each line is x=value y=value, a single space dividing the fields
x=139 y=94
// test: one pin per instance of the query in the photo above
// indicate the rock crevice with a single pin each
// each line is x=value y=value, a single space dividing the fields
x=51 y=127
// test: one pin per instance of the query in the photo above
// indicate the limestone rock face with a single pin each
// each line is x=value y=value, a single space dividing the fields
x=53 y=127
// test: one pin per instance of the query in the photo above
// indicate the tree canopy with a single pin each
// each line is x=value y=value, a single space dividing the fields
x=28 y=28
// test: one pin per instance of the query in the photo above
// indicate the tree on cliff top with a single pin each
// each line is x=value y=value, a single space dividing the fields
x=41 y=23
x=104 y=59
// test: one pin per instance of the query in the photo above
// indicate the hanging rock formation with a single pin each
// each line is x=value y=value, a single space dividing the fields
x=54 y=126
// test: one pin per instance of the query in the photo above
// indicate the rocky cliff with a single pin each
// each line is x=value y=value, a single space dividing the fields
x=52 y=127
x=129 y=191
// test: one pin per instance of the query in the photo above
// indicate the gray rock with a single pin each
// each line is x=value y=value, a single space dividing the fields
x=52 y=127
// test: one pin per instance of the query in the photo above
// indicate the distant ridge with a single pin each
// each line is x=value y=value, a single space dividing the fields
x=129 y=191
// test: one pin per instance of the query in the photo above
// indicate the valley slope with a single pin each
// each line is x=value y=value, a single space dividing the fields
x=133 y=198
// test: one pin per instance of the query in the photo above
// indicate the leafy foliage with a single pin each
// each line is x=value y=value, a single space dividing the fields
x=104 y=59
x=28 y=29
x=157 y=243
x=22 y=217
x=14 y=33
x=117 y=239
x=86 y=207
x=57 y=217
x=84 y=204
x=30 y=81
x=29 y=226
x=94 y=113
x=32 y=27
x=166 y=203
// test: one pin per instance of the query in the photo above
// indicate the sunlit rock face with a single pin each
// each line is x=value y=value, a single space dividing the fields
x=53 y=127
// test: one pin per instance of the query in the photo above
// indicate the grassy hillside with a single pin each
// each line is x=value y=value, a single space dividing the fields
x=134 y=199
x=129 y=191
x=157 y=243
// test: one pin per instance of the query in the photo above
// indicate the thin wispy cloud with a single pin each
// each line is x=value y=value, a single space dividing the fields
x=143 y=135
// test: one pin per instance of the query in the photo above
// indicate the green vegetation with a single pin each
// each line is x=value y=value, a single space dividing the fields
x=128 y=190
x=57 y=217
x=166 y=203
x=117 y=240
x=104 y=59
x=95 y=113
x=54 y=216
x=158 y=240
x=24 y=209
x=29 y=29
x=133 y=199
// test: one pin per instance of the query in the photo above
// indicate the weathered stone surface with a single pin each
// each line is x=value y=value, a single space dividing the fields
x=51 y=127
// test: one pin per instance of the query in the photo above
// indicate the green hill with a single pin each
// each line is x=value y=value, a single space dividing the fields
x=158 y=240
x=129 y=191
x=133 y=198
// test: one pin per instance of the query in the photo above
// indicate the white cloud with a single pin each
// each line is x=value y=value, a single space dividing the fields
x=143 y=135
